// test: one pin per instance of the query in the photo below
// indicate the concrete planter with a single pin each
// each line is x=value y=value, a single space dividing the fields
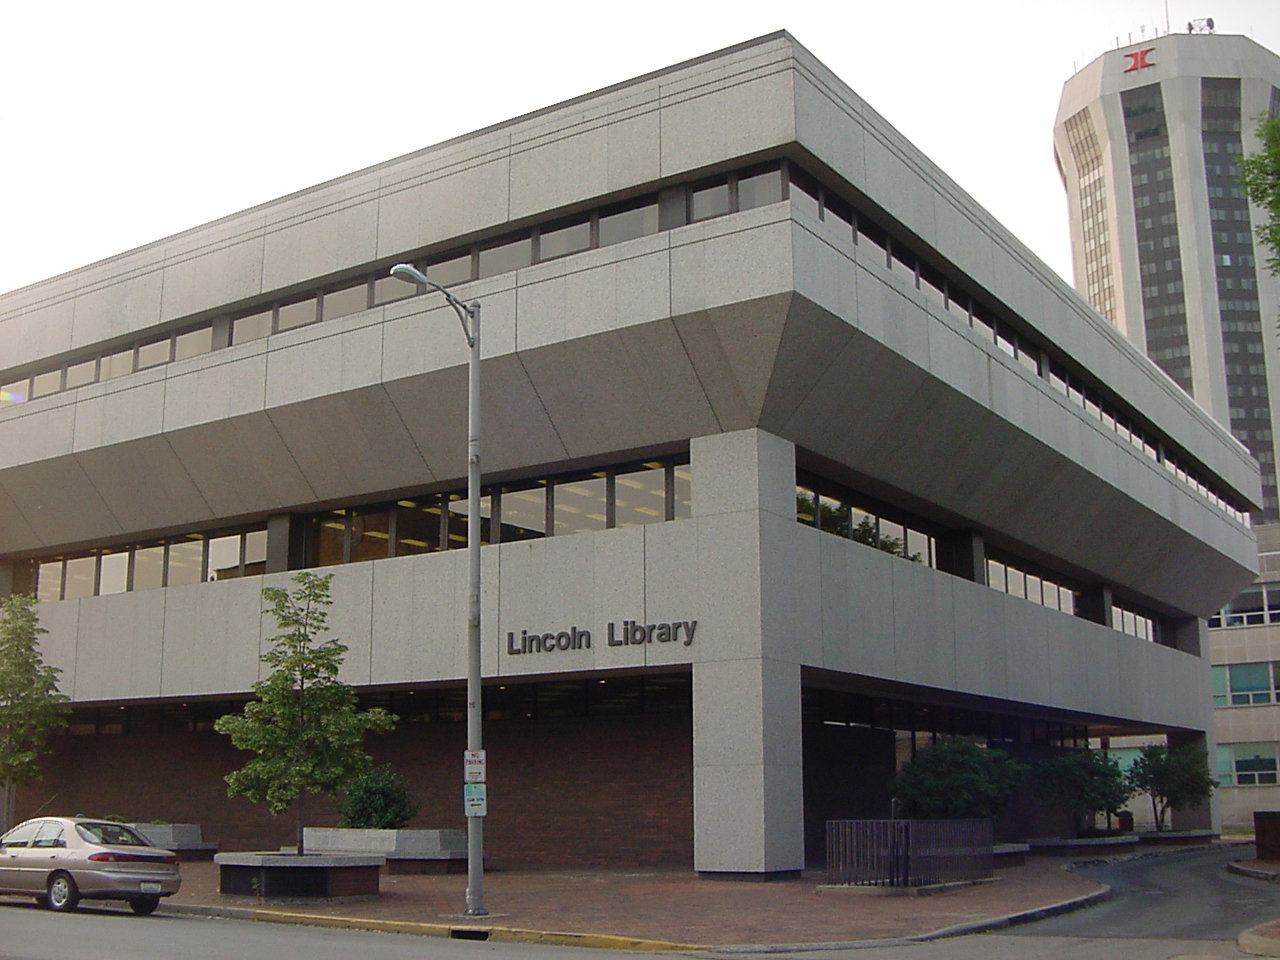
x=184 y=839
x=1113 y=846
x=287 y=876
x=405 y=851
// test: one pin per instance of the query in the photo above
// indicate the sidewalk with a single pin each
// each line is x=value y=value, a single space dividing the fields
x=656 y=909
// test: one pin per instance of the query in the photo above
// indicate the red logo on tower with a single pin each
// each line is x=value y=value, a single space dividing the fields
x=1138 y=59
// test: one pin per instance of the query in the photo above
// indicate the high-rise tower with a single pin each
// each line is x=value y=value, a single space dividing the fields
x=1148 y=139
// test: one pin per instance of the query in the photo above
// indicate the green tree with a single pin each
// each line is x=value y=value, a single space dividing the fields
x=304 y=725
x=31 y=706
x=377 y=800
x=957 y=779
x=1082 y=782
x=1175 y=779
x=1260 y=175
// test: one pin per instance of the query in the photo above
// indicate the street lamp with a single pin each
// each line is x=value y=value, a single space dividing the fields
x=476 y=801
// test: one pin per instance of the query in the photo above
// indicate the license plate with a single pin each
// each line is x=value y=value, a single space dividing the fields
x=149 y=886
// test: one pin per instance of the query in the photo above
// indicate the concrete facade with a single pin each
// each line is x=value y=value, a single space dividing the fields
x=759 y=348
x=1148 y=137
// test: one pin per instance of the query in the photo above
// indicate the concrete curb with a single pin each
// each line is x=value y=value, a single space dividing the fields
x=452 y=931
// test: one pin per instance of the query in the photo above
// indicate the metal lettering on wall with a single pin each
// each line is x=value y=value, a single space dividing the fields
x=624 y=634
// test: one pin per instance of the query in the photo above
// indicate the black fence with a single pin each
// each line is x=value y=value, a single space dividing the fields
x=908 y=853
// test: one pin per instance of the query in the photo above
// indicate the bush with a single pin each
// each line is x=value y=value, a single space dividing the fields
x=1175 y=779
x=1082 y=782
x=377 y=800
x=956 y=780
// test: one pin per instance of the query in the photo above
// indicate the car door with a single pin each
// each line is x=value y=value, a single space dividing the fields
x=15 y=866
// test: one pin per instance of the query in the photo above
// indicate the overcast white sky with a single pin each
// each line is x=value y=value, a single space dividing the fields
x=124 y=122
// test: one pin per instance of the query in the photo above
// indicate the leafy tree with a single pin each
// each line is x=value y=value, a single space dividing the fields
x=957 y=779
x=31 y=706
x=377 y=800
x=1082 y=782
x=304 y=726
x=1174 y=779
x=1260 y=175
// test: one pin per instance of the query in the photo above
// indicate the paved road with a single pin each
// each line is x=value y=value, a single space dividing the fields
x=104 y=934
x=1187 y=896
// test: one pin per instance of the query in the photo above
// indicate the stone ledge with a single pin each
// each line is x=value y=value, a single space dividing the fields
x=277 y=859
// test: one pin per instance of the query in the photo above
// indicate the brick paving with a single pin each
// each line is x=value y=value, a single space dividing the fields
x=677 y=906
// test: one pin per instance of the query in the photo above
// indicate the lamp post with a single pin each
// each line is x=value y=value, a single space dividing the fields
x=469 y=317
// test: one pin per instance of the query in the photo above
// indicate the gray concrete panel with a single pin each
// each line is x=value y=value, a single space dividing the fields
x=144 y=485
x=107 y=669
x=224 y=265
x=59 y=503
x=117 y=299
x=212 y=637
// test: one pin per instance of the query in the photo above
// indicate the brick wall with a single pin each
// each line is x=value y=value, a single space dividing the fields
x=597 y=790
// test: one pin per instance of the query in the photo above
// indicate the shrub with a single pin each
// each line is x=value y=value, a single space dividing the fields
x=1082 y=782
x=957 y=779
x=378 y=800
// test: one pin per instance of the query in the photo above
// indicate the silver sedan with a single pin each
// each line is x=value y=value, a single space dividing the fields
x=62 y=860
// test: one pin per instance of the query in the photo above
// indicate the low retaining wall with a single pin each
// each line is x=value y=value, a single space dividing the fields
x=284 y=876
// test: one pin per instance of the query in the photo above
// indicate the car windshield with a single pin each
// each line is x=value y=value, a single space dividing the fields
x=114 y=834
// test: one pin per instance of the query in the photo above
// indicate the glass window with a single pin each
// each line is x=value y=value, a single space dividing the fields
x=370 y=533
x=579 y=505
x=81 y=575
x=621 y=223
x=78 y=374
x=417 y=526
x=804 y=192
x=1249 y=682
x=352 y=299
x=834 y=517
x=113 y=573
x=1219 y=674
x=709 y=200
x=43 y=384
x=148 y=568
x=640 y=496
x=806 y=506
x=1254 y=763
x=255 y=553
x=17 y=392
x=456 y=534
x=253 y=327
x=504 y=257
x=524 y=513
x=224 y=558
x=116 y=364
x=192 y=343
x=682 y=482
x=454 y=270
x=564 y=240
x=186 y=562
x=329 y=534
x=49 y=581
x=154 y=354
x=759 y=189
x=291 y=315
x=837 y=218
x=390 y=289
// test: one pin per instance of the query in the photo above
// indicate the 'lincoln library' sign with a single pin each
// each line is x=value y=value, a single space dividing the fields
x=625 y=634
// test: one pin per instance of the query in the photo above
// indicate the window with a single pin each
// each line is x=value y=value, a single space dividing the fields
x=709 y=200
x=350 y=299
x=253 y=327
x=154 y=354
x=562 y=241
x=580 y=504
x=291 y=315
x=620 y=223
x=759 y=189
x=1246 y=764
x=842 y=513
x=192 y=343
x=43 y=384
x=503 y=258
x=1245 y=684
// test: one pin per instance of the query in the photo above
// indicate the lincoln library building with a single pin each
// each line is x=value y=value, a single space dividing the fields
x=794 y=460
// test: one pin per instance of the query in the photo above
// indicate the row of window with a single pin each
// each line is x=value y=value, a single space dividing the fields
x=725 y=194
x=1246 y=684
x=652 y=491
x=1257 y=604
x=832 y=509
x=863 y=524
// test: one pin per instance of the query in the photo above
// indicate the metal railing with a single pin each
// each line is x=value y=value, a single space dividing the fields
x=908 y=853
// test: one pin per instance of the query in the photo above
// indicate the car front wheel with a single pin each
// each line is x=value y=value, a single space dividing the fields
x=144 y=906
x=63 y=894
